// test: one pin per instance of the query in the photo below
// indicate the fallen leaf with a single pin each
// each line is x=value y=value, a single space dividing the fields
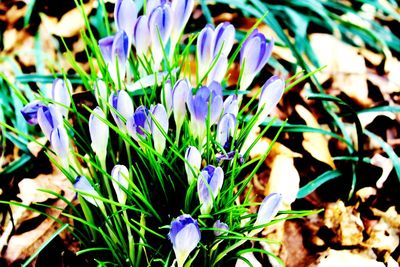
x=36 y=147
x=346 y=258
x=70 y=24
x=315 y=143
x=385 y=164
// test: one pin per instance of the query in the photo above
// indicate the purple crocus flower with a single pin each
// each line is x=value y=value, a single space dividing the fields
x=61 y=94
x=82 y=184
x=254 y=55
x=180 y=94
x=268 y=210
x=198 y=104
x=99 y=133
x=139 y=124
x=184 y=235
x=228 y=156
x=193 y=163
x=271 y=93
x=226 y=129
x=49 y=118
x=160 y=26
x=181 y=10
x=153 y=4
x=60 y=142
x=224 y=38
x=141 y=36
x=205 y=50
x=209 y=183
x=115 y=50
x=231 y=105
x=125 y=15
x=222 y=226
x=120 y=182
x=122 y=103
x=30 y=111
x=160 y=116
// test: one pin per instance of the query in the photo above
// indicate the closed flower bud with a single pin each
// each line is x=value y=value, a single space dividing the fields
x=120 y=176
x=224 y=38
x=231 y=105
x=193 y=163
x=125 y=15
x=160 y=25
x=139 y=124
x=115 y=50
x=90 y=194
x=198 y=105
x=49 y=118
x=254 y=54
x=226 y=129
x=180 y=94
x=181 y=10
x=121 y=102
x=267 y=211
x=141 y=36
x=101 y=93
x=205 y=52
x=99 y=133
x=61 y=94
x=184 y=235
x=271 y=93
x=30 y=111
x=222 y=226
x=59 y=140
x=160 y=116
x=209 y=183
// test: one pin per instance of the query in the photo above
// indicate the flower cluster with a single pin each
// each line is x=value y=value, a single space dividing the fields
x=182 y=121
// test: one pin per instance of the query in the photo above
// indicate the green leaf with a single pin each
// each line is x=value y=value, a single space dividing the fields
x=323 y=178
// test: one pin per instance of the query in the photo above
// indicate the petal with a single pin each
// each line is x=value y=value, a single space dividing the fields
x=120 y=175
x=30 y=111
x=193 y=164
x=141 y=36
x=166 y=97
x=205 y=49
x=185 y=242
x=179 y=96
x=268 y=208
x=105 y=45
x=60 y=142
x=160 y=25
x=125 y=15
x=61 y=94
x=99 y=132
x=271 y=93
x=217 y=73
x=49 y=118
x=100 y=93
x=226 y=128
x=83 y=184
x=181 y=11
x=119 y=51
x=231 y=105
x=160 y=115
x=224 y=38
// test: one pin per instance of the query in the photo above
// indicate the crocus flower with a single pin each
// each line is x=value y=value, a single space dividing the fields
x=254 y=55
x=206 y=97
x=30 y=111
x=205 y=49
x=229 y=156
x=271 y=93
x=115 y=50
x=153 y=4
x=231 y=105
x=49 y=117
x=160 y=26
x=179 y=95
x=90 y=194
x=160 y=116
x=210 y=44
x=166 y=97
x=267 y=211
x=101 y=93
x=61 y=94
x=139 y=124
x=217 y=73
x=226 y=129
x=60 y=142
x=193 y=163
x=122 y=103
x=120 y=175
x=184 y=235
x=209 y=184
x=99 y=133
x=181 y=11
x=220 y=225
x=125 y=15
x=141 y=36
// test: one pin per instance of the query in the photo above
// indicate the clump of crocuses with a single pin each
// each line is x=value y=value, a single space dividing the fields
x=162 y=148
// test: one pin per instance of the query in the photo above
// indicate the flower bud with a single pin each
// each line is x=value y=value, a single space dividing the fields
x=59 y=140
x=160 y=116
x=204 y=51
x=181 y=11
x=82 y=184
x=61 y=94
x=101 y=93
x=254 y=54
x=184 y=235
x=179 y=96
x=192 y=164
x=125 y=15
x=267 y=211
x=220 y=225
x=48 y=119
x=224 y=38
x=121 y=102
x=99 y=133
x=231 y=105
x=209 y=183
x=30 y=111
x=120 y=175
x=226 y=130
x=160 y=25
x=271 y=93
x=139 y=124
x=166 y=97
x=141 y=36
